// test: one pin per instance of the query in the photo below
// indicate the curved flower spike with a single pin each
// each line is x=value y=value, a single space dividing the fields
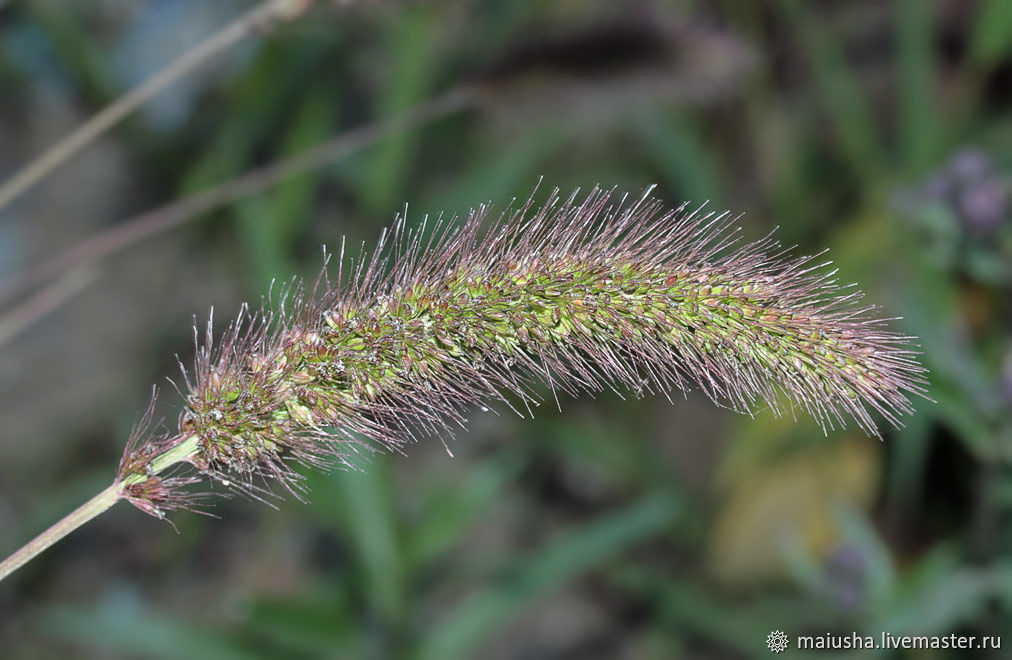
x=581 y=294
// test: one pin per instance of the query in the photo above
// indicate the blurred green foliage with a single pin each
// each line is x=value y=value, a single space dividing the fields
x=614 y=528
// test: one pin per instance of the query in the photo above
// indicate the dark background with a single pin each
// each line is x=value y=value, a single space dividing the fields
x=616 y=528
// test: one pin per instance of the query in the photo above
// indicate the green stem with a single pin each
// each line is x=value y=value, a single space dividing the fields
x=66 y=525
x=178 y=453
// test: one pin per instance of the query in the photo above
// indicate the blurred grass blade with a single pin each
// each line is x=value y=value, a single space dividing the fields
x=908 y=479
x=450 y=512
x=254 y=22
x=494 y=173
x=543 y=572
x=138 y=634
x=840 y=92
x=917 y=123
x=322 y=623
x=77 y=51
x=269 y=224
x=684 y=607
x=955 y=597
x=991 y=39
x=877 y=560
x=364 y=502
x=411 y=43
x=680 y=155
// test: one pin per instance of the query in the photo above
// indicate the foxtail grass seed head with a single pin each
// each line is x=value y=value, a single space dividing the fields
x=582 y=294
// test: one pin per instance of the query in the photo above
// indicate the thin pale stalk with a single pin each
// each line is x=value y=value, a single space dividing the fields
x=26 y=314
x=252 y=22
x=66 y=525
x=154 y=222
x=178 y=453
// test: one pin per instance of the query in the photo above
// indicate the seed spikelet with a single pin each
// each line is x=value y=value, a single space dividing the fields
x=582 y=294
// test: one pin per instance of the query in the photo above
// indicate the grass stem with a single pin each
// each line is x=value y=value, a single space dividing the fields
x=177 y=453
x=66 y=525
x=252 y=22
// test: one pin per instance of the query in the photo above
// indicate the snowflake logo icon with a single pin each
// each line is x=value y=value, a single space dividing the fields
x=777 y=641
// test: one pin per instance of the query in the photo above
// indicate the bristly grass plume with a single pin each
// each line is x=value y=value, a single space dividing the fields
x=583 y=294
